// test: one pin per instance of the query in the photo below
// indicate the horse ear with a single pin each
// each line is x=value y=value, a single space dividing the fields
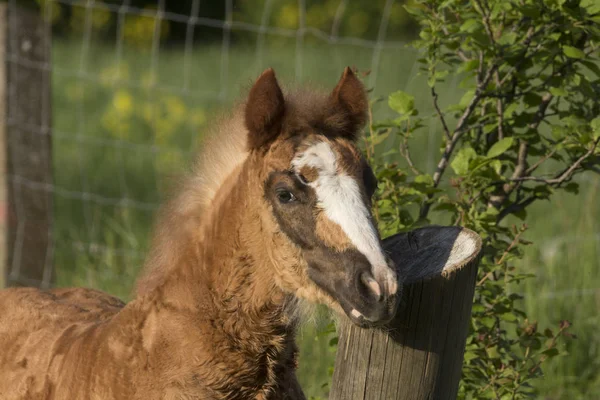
x=264 y=110
x=348 y=105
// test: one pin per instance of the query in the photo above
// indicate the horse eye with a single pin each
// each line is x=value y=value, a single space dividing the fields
x=285 y=196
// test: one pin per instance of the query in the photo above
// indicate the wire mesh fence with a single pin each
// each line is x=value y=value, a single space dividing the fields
x=124 y=107
x=103 y=115
x=144 y=91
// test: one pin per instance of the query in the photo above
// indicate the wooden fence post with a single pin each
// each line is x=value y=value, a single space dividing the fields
x=27 y=174
x=3 y=177
x=419 y=354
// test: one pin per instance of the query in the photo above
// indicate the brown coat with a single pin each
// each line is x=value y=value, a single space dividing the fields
x=201 y=333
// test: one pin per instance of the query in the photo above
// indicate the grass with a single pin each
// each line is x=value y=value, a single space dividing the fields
x=565 y=257
x=124 y=126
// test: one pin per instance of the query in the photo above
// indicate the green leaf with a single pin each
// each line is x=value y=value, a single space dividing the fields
x=470 y=26
x=532 y=99
x=521 y=214
x=377 y=139
x=497 y=166
x=553 y=352
x=573 y=52
x=572 y=187
x=445 y=207
x=488 y=322
x=468 y=66
x=460 y=164
x=595 y=125
x=509 y=111
x=470 y=355
x=441 y=74
x=531 y=11
x=436 y=77
x=467 y=97
x=592 y=67
x=508 y=317
x=500 y=147
x=558 y=92
x=426 y=178
x=492 y=352
x=414 y=10
x=401 y=102
x=558 y=132
x=591 y=6
x=508 y=38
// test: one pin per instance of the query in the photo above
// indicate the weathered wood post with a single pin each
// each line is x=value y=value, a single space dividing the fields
x=419 y=354
x=26 y=214
x=3 y=182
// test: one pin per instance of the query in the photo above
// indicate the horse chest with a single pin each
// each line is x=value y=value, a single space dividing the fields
x=239 y=371
x=240 y=374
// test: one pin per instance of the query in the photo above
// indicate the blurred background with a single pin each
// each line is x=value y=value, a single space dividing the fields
x=108 y=100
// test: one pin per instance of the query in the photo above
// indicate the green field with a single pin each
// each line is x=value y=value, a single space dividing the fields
x=125 y=124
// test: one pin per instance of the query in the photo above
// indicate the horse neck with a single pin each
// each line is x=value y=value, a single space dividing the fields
x=218 y=263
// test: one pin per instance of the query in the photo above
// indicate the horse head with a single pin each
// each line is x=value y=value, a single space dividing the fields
x=316 y=190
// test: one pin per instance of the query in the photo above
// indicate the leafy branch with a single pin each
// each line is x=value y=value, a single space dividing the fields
x=527 y=124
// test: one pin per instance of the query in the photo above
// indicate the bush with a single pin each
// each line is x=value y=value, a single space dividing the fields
x=527 y=124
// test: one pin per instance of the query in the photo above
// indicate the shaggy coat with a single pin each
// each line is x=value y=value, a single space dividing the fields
x=247 y=235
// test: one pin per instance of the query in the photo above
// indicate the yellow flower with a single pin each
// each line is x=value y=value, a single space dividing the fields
x=100 y=17
x=175 y=108
x=116 y=125
x=359 y=23
x=288 y=16
x=122 y=102
x=139 y=29
x=317 y=16
x=50 y=9
x=148 y=112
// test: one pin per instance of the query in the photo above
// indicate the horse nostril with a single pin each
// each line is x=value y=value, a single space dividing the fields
x=372 y=284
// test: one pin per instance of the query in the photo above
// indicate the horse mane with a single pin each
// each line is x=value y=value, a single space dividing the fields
x=223 y=150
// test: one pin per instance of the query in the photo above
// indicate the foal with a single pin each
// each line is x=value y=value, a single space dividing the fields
x=277 y=209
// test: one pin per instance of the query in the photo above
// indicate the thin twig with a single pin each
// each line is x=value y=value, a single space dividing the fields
x=498 y=198
x=460 y=53
x=370 y=147
x=499 y=262
x=558 y=180
x=499 y=109
x=521 y=166
x=405 y=152
x=460 y=125
x=486 y=23
x=441 y=117
x=478 y=94
x=456 y=135
x=541 y=161
x=516 y=207
x=526 y=42
x=562 y=176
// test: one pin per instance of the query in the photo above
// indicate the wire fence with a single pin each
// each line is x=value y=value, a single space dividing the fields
x=119 y=118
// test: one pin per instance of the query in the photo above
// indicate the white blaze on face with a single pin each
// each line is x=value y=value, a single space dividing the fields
x=340 y=198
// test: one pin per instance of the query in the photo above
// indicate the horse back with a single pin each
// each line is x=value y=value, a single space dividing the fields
x=37 y=330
